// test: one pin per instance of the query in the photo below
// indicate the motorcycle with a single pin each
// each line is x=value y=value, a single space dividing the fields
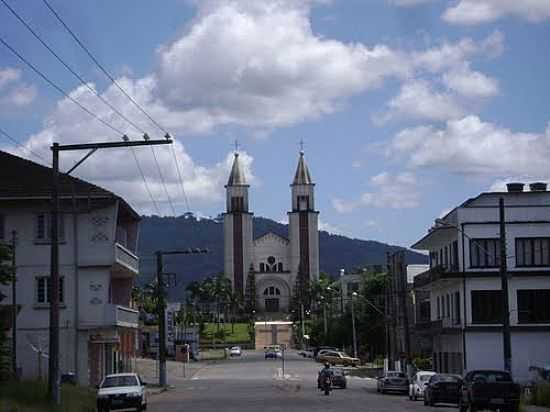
x=327 y=385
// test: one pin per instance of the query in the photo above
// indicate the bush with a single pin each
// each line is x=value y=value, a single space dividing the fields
x=542 y=395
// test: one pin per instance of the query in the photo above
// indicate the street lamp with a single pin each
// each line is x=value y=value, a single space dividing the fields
x=507 y=344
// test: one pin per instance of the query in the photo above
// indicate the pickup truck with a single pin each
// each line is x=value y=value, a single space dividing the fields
x=489 y=389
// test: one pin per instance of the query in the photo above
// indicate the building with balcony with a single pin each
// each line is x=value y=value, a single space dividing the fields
x=464 y=283
x=98 y=234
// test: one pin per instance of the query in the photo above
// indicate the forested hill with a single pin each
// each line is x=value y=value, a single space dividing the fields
x=157 y=233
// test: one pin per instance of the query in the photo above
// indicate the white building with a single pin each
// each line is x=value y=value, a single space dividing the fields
x=98 y=239
x=274 y=261
x=465 y=286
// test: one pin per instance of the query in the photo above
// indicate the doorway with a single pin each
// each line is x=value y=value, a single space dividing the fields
x=272 y=305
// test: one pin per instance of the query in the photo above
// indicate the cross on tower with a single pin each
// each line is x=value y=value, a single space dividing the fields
x=301 y=145
x=237 y=145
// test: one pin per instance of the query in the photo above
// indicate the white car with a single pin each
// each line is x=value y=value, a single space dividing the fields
x=418 y=383
x=235 y=351
x=121 y=391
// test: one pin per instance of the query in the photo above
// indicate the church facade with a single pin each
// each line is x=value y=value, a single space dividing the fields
x=269 y=266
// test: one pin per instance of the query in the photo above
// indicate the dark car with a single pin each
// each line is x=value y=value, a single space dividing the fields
x=393 y=381
x=442 y=388
x=338 y=378
x=489 y=389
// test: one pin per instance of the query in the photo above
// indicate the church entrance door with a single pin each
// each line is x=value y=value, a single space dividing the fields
x=272 y=305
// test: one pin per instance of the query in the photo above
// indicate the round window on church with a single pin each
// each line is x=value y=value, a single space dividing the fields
x=271 y=260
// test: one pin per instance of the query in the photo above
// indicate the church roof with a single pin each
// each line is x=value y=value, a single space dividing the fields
x=236 y=178
x=271 y=235
x=302 y=176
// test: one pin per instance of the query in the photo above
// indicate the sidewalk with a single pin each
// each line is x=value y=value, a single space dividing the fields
x=175 y=371
x=532 y=408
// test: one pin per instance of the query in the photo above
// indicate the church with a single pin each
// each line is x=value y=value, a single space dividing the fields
x=268 y=266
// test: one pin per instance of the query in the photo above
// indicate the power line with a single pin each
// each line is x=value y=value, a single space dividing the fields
x=87 y=85
x=64 y=93
x=134 y=102
x=163 y=183
x=186 y=200
x=70 y=69
x=18 y=143
x=59 y=89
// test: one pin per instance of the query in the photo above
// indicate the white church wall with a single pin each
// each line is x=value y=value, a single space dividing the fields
x=271 y=245
x=228 y=246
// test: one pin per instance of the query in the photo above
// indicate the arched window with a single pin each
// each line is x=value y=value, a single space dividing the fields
x=272 y=291
x=262 y=267
x=279 y=267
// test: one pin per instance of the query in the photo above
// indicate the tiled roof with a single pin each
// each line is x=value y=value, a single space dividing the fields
x=22 y=178
x=302 y=176
x=236 y=178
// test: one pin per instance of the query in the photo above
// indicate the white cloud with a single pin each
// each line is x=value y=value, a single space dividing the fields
x=409 y=3
x=418 y=100
x=13 y=92
x=399 y=191
x=471 y=146
x=8 y=75
x=470 y=83
x=116 y=169
x=259 y=64
x=470 y=12
x=443 y=85
x=333 y=229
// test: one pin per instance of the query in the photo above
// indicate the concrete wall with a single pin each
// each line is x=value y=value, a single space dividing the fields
x=271 y=245
x=273 y=334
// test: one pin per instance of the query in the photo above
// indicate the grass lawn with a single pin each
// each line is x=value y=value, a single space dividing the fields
x=239 y=335
x=31 y=396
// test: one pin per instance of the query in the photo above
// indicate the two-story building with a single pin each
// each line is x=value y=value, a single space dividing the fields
x=98 y=234
x=464 y=284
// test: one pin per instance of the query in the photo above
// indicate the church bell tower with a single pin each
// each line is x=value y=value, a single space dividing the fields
x=303 y=224
x=237 y=224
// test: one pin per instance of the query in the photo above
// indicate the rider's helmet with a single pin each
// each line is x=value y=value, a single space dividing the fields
x=327 y=365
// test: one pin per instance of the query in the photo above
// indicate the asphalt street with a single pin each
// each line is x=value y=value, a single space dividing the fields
x=251 y=383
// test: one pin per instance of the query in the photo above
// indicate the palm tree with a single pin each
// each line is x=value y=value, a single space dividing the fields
x=236 y=305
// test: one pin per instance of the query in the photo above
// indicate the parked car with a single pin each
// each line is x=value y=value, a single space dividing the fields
x=121 y=391
x=442 y=388
x=306 y=353
x=273 y=352
x=489 y=389
x=392 y=381
x=417 y=384
x=337 y=358
x=317 y=351
x=235 y=351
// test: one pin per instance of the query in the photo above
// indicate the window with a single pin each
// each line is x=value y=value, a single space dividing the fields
x=533 y=251
x=303 y=202
x=448 y=305
x=454 y=261
x=43 y=233
x=424 y=311
x=237 y=204
x=486 y=306
x=262 y=267
x=279 y=267
x=43 y=292
x=438 y=309
x=2 y=229
x=484 y=253
x=446 y=251
x=533 y=305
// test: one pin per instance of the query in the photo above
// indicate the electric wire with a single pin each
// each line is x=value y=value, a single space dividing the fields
x=76 y=102
x=21 y=145
x=98 y=95
x=128 y=96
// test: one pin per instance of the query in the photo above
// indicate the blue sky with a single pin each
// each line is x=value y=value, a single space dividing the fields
x=406 y=107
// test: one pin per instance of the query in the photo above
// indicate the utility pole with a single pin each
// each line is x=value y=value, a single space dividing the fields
x=54 y=389
x=507 y=344
x=161 y=306
x=354 y=335
x=14 y=304
x=404 y=307
x=302 y=323
x=342 y=272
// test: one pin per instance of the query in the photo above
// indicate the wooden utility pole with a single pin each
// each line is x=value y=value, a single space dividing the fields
x=507 y=344
x=14 y=305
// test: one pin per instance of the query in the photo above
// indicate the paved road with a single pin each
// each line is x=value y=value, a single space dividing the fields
x=254 y=384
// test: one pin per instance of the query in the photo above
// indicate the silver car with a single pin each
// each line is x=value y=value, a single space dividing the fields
x=393 y=381
x=418 y=383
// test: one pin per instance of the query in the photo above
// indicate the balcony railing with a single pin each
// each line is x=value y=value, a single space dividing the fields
x=126 y=259
x=116 y=315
